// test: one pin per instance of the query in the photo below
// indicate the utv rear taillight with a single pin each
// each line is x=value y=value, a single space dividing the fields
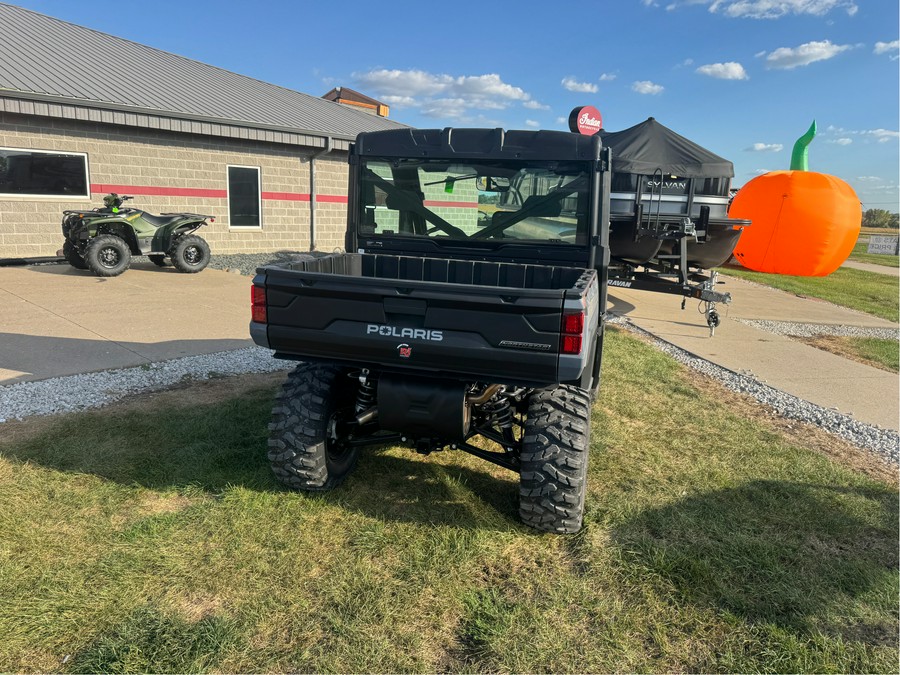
x=573 y=324
x=571 y=329
x=258 y=304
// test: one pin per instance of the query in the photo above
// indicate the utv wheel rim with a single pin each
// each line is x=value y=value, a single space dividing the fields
x=192 y=255
x=336 y=446
x=109 y=257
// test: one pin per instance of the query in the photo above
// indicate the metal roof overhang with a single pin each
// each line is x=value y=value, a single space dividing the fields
x=47 y=105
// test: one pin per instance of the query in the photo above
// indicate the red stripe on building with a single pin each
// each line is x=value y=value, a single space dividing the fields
x=455 y=205
x=287 y=196
x=150 y=190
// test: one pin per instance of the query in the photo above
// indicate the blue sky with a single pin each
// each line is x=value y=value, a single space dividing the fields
x=743 y=78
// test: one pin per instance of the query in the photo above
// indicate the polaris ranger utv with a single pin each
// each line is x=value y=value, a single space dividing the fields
x=455 y=319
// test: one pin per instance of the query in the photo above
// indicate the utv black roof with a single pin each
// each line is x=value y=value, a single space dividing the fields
x=479 y=144
x=649 y=146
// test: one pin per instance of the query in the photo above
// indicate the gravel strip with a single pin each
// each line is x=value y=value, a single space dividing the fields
x=881 y=442
x=793 y=329
x=94 y=390
x=246 y=263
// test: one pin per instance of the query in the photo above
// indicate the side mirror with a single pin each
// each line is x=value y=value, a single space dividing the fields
x=490 y=184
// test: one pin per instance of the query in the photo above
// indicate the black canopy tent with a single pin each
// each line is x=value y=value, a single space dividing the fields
x=649 y=146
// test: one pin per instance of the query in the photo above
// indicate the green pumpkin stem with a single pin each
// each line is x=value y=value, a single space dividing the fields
x=800 y=154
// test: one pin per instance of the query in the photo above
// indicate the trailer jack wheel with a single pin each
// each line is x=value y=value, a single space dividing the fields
x=712 y=320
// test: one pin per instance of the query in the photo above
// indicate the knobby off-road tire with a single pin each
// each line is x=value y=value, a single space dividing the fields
x=189 y=253
x=554 y=459
x=72 y=256
x=306 y=434
x=107 y=255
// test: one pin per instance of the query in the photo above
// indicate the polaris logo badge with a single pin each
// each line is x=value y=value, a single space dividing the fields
x=623 y=284
x=397 y=332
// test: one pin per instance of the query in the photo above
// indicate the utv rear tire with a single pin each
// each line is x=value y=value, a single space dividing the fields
x=107 y=255
x=189 y=254
x=554 y=459
x=72 y=256
x=307 y=434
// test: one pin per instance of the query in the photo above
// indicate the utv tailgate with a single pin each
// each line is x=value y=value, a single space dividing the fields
x=450 y=318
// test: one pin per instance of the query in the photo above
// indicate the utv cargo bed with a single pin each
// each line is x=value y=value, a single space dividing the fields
x=462 y=319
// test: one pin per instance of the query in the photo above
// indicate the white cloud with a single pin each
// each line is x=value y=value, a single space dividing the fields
x=882 y=135
x=399 y=101
x=409 y=83
x=879 y=135
x=724 y=71
x=775 y=9
x=442 y=95
x=535 y=105
x=607 y=77
x=534 y=124
x=765 y=147
x=786 y=58
x=888 y=48
x=869 y=179
x=647 y=87
x=445 y=107
x=572 y=84
x=882 y=188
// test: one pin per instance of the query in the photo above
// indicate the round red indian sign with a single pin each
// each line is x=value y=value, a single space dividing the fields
x=585 y=120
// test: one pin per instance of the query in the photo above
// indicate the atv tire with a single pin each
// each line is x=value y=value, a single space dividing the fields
x=189 y=254
x=107 y=255
x=159 y=260
x=308 y=447
x=72 y=256
x=554 y=459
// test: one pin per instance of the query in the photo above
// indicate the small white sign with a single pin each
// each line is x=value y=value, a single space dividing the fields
x=883 y=245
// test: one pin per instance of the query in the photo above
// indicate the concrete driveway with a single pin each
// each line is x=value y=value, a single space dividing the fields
x=56 y=320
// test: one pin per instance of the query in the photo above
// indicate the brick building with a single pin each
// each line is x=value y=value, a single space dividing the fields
x=178 y=135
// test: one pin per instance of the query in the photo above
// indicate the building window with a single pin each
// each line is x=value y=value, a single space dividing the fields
x=244 y=196
x=42 y=173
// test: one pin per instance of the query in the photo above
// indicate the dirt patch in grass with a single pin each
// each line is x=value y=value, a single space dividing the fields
x=851 y=348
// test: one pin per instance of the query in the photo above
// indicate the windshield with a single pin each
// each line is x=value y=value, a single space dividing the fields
x=545 y=202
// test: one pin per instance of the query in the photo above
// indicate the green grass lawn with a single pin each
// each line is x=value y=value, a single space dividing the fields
x=884 y=353
x=869 y=292
x=151 y=537
x=860 y=254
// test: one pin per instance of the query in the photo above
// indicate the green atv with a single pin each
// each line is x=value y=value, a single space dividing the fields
x=103 y=240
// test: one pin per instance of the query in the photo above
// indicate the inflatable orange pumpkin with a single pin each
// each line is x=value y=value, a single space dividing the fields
x=804 y=223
